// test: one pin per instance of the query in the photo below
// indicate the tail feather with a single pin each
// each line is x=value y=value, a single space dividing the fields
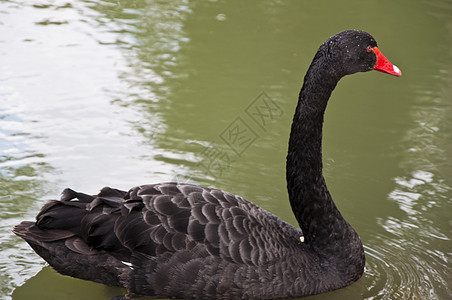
x=32 y=233
x=68 y=195
x=76 y=229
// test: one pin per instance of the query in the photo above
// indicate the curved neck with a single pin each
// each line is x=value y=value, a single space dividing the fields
x=309 y=197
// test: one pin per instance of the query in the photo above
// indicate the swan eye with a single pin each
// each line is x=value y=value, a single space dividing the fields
x=369 y=48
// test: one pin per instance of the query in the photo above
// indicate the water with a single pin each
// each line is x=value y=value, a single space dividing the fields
x=120 y=93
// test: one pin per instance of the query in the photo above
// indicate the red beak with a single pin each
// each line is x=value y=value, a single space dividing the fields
x=384 y=65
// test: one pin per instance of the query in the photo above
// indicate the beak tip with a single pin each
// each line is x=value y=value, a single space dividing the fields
x=397 y=71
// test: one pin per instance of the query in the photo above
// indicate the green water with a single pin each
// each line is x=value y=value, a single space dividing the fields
x=121 y=93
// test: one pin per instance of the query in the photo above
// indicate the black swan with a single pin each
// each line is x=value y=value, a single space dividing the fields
x=187 y=241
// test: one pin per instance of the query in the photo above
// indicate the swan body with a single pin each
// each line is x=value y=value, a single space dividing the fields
x=187 y=241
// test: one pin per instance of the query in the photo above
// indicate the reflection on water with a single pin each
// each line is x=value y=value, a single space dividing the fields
x=62 y=286
x=21 y=171
x=423 y=192
x=121 y=93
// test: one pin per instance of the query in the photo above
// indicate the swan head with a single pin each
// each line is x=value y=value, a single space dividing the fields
x=352 y=51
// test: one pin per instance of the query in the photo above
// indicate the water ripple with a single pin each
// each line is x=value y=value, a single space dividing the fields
x=395 y=272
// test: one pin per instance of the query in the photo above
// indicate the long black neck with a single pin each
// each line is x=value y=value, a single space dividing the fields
x=317 y=215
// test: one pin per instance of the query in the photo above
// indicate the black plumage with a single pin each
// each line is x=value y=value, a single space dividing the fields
x=188 y=241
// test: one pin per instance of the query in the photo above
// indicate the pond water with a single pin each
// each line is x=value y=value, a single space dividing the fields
x=121 y=93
